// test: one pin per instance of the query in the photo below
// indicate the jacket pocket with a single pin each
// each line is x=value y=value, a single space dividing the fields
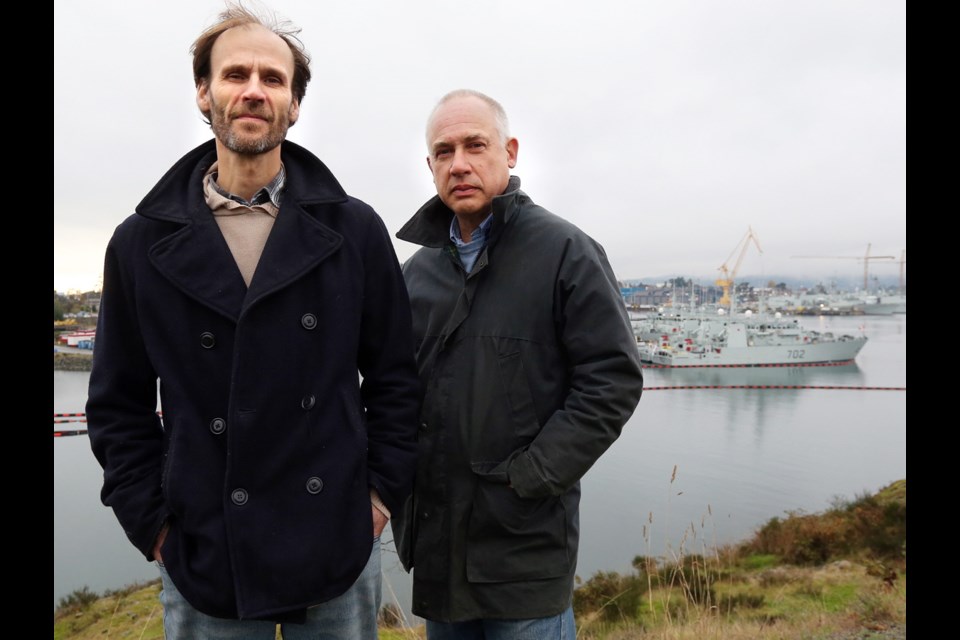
x=168 y=461
x=510 y=538
x=516 y=387
x=355 y=416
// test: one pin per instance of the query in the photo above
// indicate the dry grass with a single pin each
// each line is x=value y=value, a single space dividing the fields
x=404 y=633
x=133 y=613
x=836 y=601
x=840 y=574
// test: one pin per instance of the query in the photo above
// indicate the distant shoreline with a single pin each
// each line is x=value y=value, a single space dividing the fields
x=72 y=361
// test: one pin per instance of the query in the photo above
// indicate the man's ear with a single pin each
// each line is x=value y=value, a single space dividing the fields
x=294 y=112
x=203 y=98
x=512 y=146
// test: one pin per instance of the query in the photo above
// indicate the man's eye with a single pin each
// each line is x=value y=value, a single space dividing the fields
x=442 y=153
x=477 y=146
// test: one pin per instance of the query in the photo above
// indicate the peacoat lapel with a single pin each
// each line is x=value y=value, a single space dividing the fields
x=297 y=243
x=197 y=260
x=195 y=257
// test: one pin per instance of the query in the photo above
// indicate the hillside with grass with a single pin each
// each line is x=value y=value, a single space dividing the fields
x=836 y=575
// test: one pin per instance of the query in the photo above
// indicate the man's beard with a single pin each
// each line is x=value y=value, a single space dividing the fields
x=248 y=144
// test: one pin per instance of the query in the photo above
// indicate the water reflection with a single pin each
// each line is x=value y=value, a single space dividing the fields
x=740 y=396
x=842 y=375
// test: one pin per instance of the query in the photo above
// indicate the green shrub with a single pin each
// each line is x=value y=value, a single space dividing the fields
x=77 y=600
x=870 y=526
x=612 y=596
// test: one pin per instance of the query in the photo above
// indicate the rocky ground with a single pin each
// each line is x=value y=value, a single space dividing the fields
x=72 y=361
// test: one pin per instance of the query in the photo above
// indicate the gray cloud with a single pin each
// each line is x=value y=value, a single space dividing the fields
x=662 y=129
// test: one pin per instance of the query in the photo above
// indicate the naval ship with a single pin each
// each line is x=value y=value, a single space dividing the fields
x=702 y=339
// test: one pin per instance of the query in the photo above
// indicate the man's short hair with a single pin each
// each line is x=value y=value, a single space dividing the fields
x=236 y=15
x=499 y=113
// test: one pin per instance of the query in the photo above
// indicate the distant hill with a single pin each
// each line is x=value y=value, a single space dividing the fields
x=792 y=282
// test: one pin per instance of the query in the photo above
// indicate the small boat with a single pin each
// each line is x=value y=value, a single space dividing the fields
x=701 y=339
x=82 y=339
x=883 y=305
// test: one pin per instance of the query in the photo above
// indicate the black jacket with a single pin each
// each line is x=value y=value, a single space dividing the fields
x=530 y=370
x=269 y=442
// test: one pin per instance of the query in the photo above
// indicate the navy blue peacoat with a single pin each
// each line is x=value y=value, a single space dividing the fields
x=282 y=404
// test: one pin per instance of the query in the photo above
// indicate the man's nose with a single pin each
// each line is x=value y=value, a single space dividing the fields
x=459 y=165
x=253 y=89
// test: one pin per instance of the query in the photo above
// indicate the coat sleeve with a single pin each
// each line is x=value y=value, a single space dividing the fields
x=124 y=430
x=605 y=376
x=390 y=388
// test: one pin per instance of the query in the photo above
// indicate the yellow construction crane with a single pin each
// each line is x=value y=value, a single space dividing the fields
x=726 y=281
x=866 y=261
x=903 y=262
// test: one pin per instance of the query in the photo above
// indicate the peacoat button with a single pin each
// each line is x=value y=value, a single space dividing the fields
x=309 y=321
x=218 y=426
x=308 y=402
x=423 y=426
x=314 y=485
x=425 y=515
x=207 y=340
x=239 y=497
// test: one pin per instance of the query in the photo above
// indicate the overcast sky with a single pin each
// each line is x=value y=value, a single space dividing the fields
x=663 y=129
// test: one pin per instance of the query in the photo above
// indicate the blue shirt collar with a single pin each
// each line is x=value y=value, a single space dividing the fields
x=478 y=236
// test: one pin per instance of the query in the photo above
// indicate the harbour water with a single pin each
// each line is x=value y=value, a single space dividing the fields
x=693 y=469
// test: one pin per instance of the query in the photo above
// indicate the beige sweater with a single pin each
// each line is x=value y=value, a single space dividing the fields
x=244 y=228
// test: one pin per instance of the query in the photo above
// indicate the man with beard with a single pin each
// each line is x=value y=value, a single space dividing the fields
x=270 y=307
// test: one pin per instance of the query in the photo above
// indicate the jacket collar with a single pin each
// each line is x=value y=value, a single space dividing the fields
x=196 y=258
x=178 y=196
x=430 y=226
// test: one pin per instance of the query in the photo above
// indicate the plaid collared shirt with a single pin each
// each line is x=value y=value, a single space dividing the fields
x=272 y=192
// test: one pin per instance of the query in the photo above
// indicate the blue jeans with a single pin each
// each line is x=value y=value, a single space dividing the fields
x=350 y=616
x=558 y=627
